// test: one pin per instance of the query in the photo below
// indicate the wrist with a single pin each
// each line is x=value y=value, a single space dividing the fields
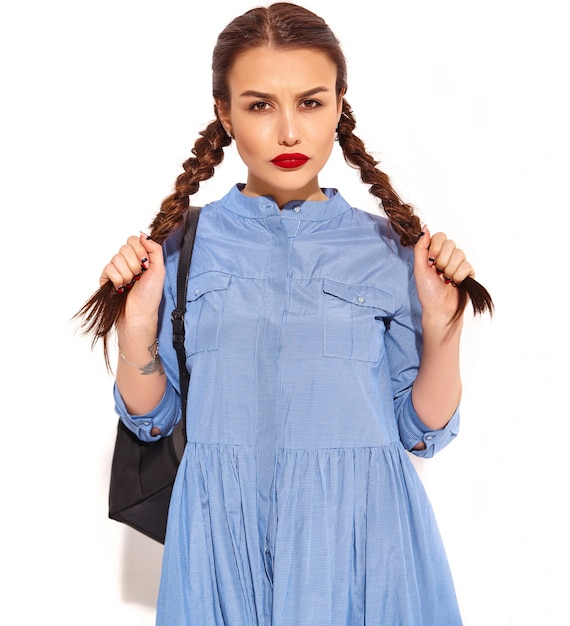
x=138 y=326
x=136 y=339
x=440 y=317
x=148 y=366
x=437 y=327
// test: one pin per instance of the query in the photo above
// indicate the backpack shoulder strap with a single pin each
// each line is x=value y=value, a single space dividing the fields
x=188 y=237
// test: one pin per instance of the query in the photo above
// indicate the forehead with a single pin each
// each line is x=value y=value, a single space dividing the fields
x=266 y=69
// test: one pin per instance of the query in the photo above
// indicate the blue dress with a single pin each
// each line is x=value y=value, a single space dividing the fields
x=296 y=503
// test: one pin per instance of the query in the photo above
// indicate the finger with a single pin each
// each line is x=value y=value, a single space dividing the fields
x=436 y=242
x=111 y=273
x=133 y=253
x=126 y=266
x=117 y=271
x=449 y=261
x=463 y=270
x=138 y=251
x=447 y=258
x=443 y=257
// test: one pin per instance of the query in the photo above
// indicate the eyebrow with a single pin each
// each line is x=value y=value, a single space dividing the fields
x=260 y=94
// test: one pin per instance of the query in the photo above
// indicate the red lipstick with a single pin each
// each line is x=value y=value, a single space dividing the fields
x=290 y=161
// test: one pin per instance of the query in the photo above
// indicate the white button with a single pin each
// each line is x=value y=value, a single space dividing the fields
x=361 y=299
x=429 y=437
x=297 y=209
x=196 y=292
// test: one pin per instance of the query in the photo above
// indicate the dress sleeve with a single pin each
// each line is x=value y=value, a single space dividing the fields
x=403 y=341
x=413 y=430
x=164 y=416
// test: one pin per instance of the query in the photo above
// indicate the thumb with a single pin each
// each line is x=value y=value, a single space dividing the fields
x=421 y=249
x=153 y=249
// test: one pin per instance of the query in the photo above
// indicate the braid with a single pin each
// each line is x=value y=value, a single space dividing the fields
x=401 y=215
x=208 y=153
x=106 y=306
x=402 y=218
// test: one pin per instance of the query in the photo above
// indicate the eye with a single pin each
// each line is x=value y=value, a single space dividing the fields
x=259 y=106
x=310 y=104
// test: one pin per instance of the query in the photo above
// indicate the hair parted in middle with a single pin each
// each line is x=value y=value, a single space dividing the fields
x=281 y=25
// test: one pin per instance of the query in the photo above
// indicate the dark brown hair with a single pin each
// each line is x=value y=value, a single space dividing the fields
x=282 y=25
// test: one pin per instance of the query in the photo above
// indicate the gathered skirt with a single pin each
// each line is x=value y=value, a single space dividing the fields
x=335 y=537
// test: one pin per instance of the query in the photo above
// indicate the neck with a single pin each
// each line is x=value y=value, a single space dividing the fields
x=282 y=197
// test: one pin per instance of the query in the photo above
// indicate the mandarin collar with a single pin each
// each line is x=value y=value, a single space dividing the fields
x=304 y=210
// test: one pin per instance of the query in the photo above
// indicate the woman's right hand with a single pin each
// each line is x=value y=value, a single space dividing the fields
x=137 y=271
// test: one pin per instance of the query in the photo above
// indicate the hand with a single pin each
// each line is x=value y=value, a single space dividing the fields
x=137 y=270
x=439 y=266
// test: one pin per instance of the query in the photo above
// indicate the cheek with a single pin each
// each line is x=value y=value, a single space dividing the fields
x=247 y=148
x=326 y=138
x=244 y=140
x=252 y=142
x=325 y=132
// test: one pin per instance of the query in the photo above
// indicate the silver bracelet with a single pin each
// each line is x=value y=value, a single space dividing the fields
x=144 y=365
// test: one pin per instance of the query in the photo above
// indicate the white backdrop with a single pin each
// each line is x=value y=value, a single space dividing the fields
x=465 y=103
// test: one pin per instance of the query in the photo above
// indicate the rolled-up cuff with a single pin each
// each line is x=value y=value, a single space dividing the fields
x=413 y=431
x=164 y=416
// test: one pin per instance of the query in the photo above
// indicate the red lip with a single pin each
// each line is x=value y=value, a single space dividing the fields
x=290 y=161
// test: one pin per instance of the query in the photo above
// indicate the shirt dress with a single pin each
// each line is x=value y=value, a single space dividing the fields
x=296 y=503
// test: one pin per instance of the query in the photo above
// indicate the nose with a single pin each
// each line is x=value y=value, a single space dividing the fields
x=288 y=130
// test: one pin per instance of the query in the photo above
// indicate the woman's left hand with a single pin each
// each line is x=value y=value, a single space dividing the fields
x=439 y=266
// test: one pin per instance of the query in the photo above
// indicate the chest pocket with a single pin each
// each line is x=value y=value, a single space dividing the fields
x=355 y=319
x=205 y=301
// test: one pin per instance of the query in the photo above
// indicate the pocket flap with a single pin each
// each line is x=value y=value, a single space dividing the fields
x=205 y=283
x=362 y=295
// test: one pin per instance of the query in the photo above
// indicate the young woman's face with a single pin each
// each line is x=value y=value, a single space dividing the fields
x=283 y=115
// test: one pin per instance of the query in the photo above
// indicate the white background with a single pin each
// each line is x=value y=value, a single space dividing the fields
x=467 y=106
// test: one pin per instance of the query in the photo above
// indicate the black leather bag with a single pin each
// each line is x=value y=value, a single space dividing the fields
x=143 y=473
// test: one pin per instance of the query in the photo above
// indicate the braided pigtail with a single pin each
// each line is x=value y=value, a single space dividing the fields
x=403 y=220
x=208 y=152
x=105 y=307
x=405 y=223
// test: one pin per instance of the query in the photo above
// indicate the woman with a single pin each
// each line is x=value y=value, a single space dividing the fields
x=323 y=343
